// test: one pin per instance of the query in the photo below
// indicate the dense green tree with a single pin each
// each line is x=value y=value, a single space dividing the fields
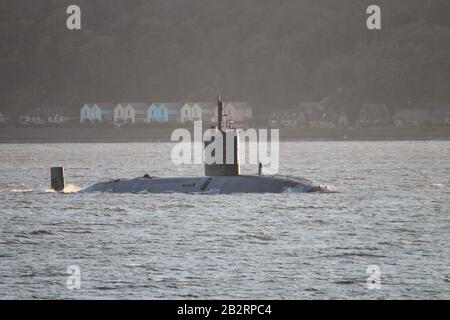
x=272 y=53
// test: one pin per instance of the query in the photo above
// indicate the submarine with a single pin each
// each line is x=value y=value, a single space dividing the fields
x=220 y=178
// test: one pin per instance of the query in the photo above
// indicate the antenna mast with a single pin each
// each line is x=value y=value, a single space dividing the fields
x=219 y=108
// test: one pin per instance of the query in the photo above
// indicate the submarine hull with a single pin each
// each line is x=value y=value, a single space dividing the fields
x=207 y=184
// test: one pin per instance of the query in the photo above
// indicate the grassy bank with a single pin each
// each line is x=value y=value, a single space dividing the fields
x=92 y=134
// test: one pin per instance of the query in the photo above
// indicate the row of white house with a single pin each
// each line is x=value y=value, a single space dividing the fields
x=162 y=112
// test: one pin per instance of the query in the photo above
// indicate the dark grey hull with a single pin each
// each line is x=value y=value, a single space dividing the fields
x=214 y=184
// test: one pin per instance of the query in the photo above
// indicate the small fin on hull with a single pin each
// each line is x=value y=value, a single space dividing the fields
x=57 y=178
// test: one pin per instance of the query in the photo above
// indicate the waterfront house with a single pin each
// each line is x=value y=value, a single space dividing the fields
x=33 y=117
x=412 y=117
x=313 y=112
x=342 y=119
x=140 y=112
x=97 y=113
x=171 y=112
x=198 y=111
x=314 y=119
x=152 y=113
x=102 y=112
x=122 y=116
x=238 y=112
x=57 y=115
x=309 y=108
x=447 y=118
x=373 y=114
x=205 y=111
x=185 y=112
x=286 y=118
x=125 y=113
x=163 y=112
x=334 y=118
x=440 y=113
x=85 y=114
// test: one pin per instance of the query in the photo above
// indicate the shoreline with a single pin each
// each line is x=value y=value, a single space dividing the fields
x=134 y=135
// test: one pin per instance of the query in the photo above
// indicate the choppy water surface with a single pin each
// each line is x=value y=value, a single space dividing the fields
x=392 y=209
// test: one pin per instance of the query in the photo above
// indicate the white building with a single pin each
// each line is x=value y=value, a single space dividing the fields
x=164 y=112
x=34 y=117
x=85 y=114
x=238 y=112
x=198 y=111
x=130 y=113
x=97 y=113
x=57 y=115
x=412 y=117
x=186 y=112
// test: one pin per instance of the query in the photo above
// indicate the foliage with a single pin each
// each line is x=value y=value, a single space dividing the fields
x=271 y=53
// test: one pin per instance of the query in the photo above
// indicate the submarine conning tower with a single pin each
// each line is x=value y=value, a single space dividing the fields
x=228 y=164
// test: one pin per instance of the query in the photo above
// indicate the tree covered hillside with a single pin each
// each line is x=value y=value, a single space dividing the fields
x=271 y=53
